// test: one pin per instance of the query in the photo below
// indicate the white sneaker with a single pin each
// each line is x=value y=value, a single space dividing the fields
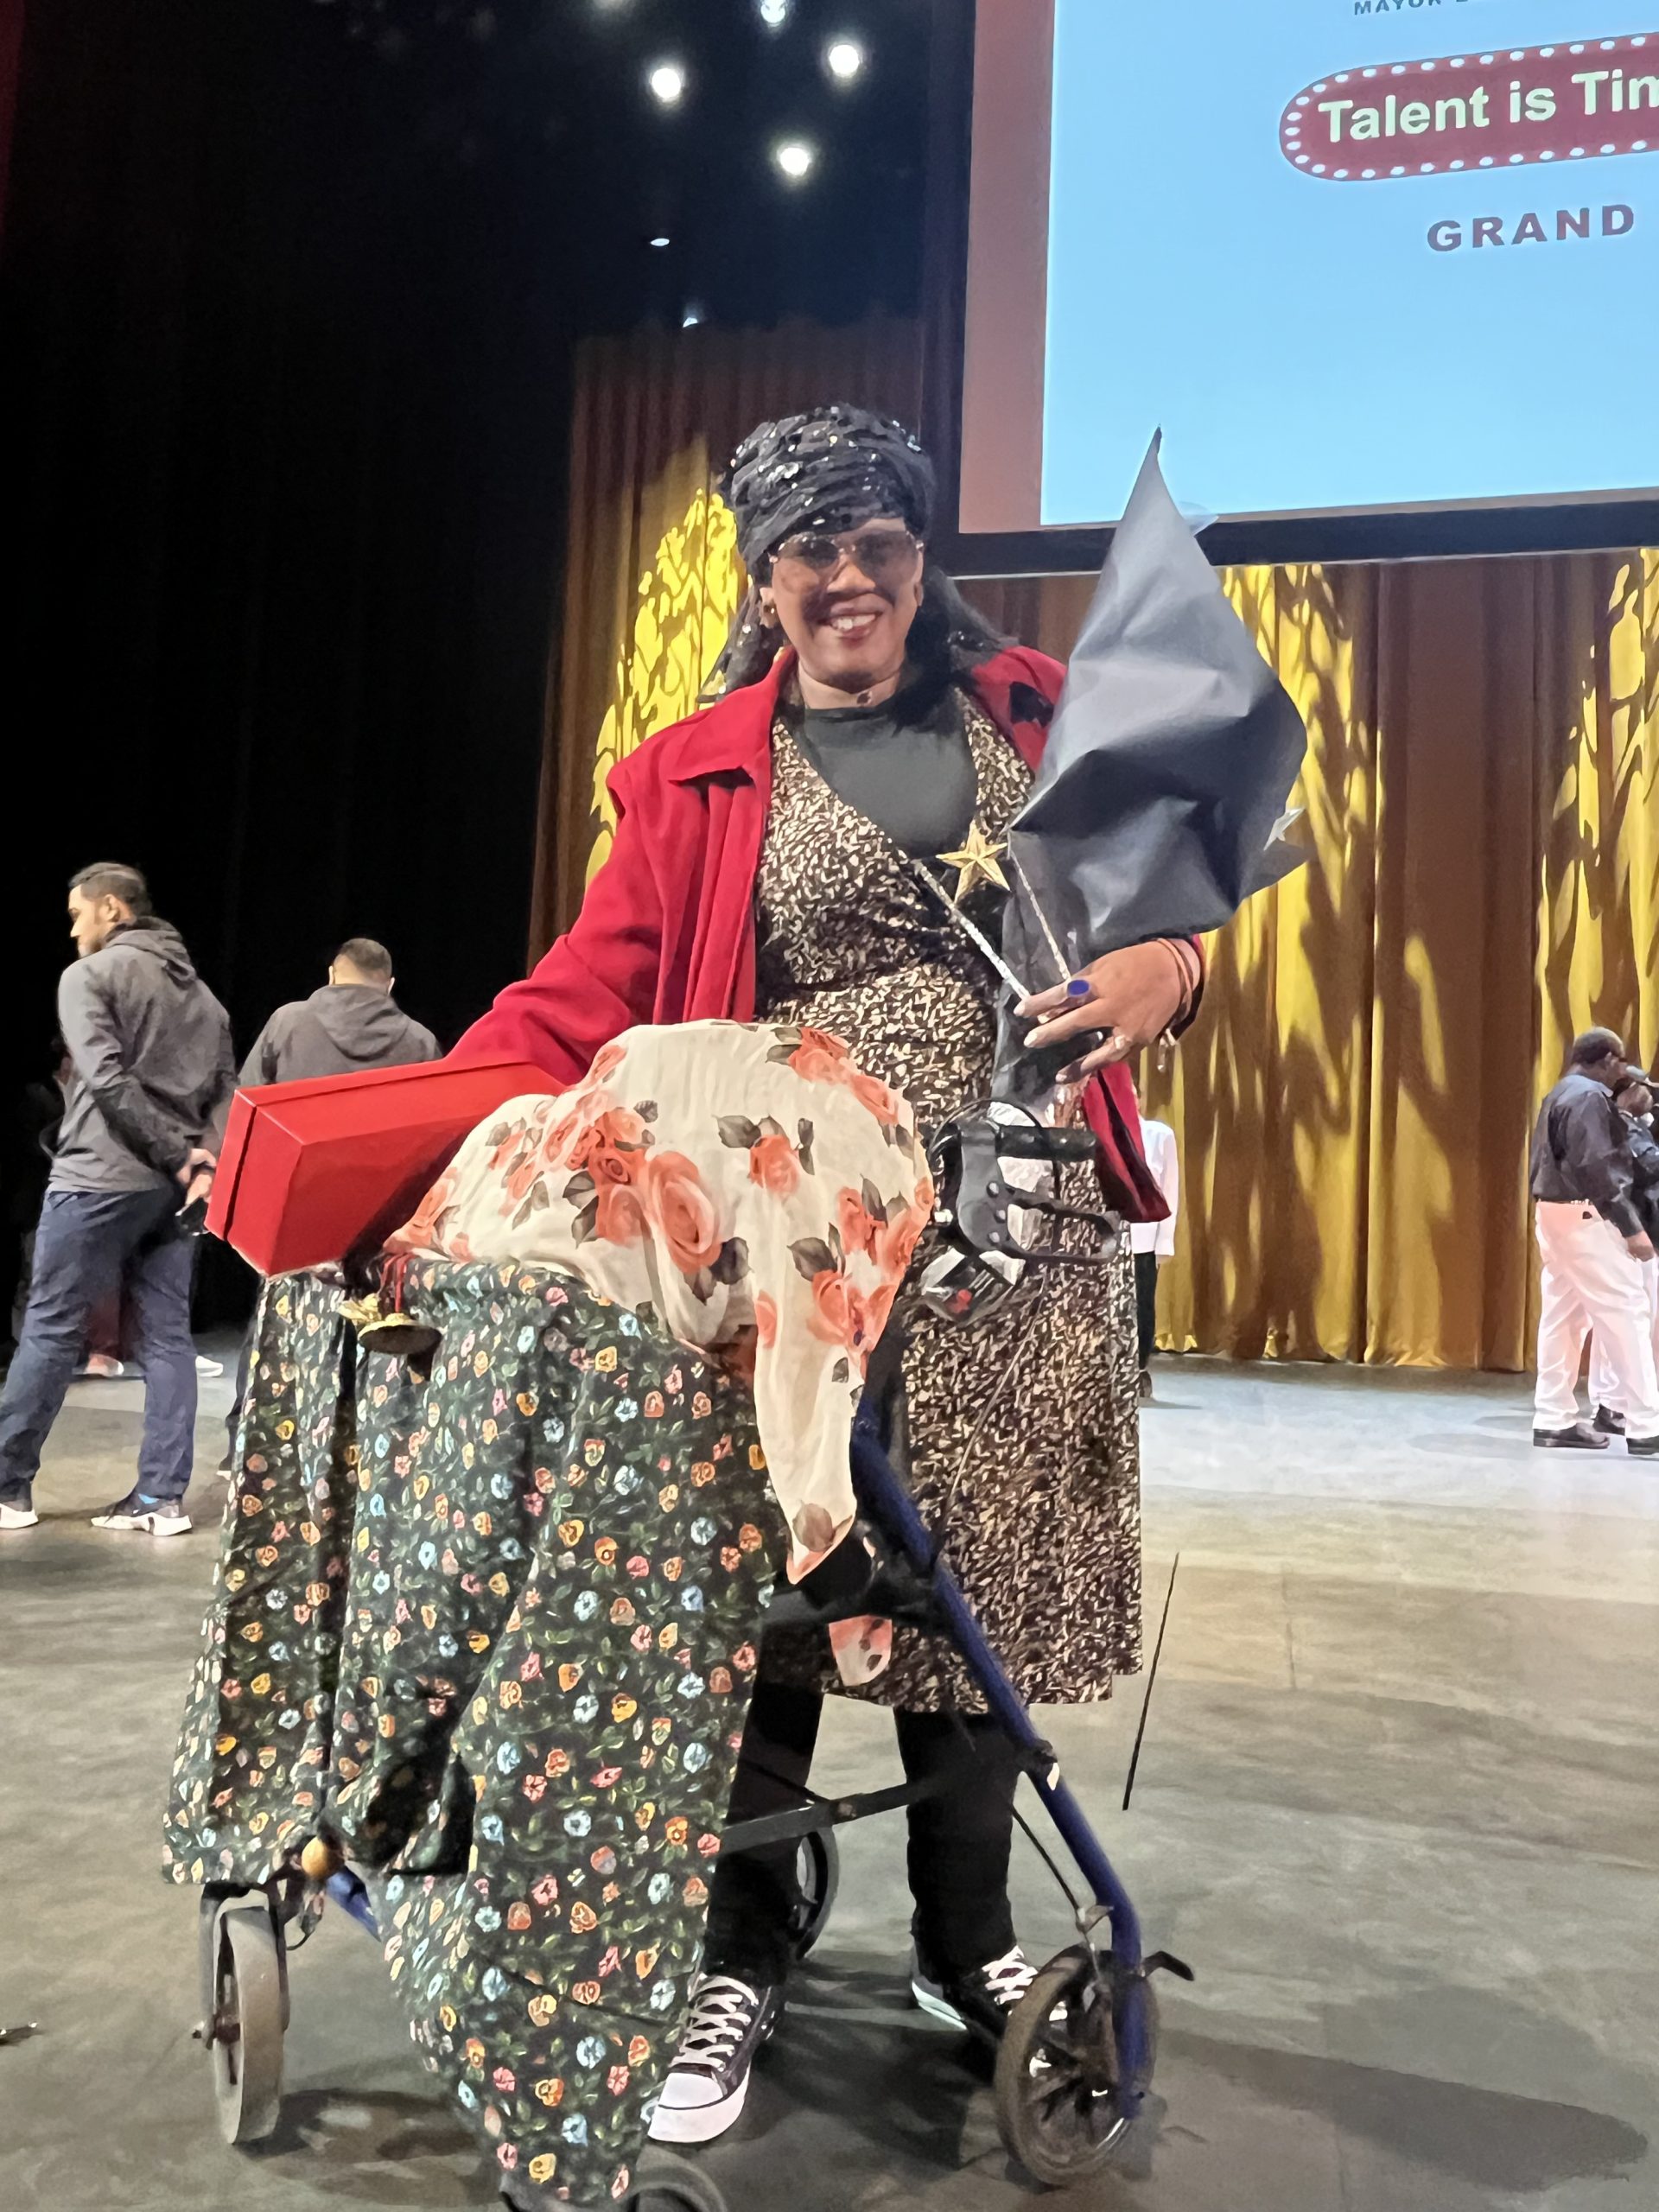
x=206 y=1366
x=148 y=1516
x=709 y=2078
x=19 y=1516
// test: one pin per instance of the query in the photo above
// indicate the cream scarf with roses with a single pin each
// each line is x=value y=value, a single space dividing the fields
x=751 y=1186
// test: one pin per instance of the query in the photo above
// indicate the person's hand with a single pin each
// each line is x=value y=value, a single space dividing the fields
x=1134 y=994
x=1639 y=1247
x=197 y=1177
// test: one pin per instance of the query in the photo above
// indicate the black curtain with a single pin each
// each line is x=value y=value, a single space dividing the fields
x=284 y=345
x=288 y=294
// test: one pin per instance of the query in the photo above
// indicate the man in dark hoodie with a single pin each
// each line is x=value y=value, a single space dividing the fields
x=152 y=1073
x=352 y=1023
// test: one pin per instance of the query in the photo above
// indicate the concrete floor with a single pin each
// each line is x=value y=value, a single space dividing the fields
x=1399 y=1806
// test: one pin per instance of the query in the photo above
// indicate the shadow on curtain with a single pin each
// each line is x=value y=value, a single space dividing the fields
x=1354 y=1109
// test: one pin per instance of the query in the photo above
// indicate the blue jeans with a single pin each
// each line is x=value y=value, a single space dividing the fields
x=87 y=1242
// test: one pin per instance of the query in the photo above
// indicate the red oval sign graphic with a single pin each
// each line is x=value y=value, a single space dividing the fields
x=1499 y=109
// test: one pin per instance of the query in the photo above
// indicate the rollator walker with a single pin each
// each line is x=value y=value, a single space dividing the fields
x=1078 y=2055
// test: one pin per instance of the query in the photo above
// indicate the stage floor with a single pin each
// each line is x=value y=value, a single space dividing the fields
x=1399 y=1806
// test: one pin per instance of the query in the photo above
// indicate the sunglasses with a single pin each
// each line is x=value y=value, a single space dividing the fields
x=875 y=553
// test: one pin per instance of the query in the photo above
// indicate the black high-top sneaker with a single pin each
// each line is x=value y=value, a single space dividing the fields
x=709 y=2078
x=981 y=2001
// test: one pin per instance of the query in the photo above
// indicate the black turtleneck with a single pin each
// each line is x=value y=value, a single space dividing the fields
x=906 y=764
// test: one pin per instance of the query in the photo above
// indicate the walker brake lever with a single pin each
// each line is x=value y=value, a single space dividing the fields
x=1164 y=1962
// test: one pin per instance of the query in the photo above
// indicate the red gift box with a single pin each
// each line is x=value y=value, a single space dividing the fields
x=311 y=1172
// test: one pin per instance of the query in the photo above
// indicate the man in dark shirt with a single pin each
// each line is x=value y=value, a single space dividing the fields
x=1633 y=1095
x=1594 y=1247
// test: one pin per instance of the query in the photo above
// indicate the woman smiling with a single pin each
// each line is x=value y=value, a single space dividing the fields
x=764 y=867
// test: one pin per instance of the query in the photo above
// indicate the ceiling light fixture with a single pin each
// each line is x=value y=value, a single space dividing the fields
x=795 y=157
x=660 y=241
x=667 y=83
x=844 y=59
x=695 y=314
x=774 y=13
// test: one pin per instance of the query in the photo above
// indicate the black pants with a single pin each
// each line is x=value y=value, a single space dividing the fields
x=961 y=1836
x=1145 y=1303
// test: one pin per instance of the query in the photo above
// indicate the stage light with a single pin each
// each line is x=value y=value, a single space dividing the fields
x=694 y=314
x=774 y=13
x=844 y=59
x=660 y=241
x=795 y=157
x=667 y=83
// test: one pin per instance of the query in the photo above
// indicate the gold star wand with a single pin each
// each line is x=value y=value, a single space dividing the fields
x=979 y=861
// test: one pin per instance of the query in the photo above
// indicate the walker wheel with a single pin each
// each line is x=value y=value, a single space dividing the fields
x=1059 y=2090
x=817 y=1872
x=664 y=2182
x=247 y=2020
x=661 y=2183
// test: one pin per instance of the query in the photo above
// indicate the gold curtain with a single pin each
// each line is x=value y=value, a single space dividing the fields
x=1354 y=1107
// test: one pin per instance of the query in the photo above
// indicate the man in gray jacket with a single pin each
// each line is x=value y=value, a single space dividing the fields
x=352 y=1023
x=153 y=1072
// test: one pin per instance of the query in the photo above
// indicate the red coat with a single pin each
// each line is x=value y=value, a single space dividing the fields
x=666 y=933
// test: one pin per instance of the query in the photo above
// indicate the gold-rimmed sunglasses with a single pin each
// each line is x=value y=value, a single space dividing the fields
x=874 y=553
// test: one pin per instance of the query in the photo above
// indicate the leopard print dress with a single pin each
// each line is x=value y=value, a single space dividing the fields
x=1023 y=1431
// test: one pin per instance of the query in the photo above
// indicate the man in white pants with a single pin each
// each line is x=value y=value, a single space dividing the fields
x=1593 y=1247
x=1153 y=1242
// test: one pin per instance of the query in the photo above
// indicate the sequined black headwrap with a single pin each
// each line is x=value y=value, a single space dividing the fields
x=830 y=470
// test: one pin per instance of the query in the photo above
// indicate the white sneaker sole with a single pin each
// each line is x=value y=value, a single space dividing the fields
x=938 y=2007
x=699 y=2123
x=13 y=1517
x=936 y=2004
x=142 y=1524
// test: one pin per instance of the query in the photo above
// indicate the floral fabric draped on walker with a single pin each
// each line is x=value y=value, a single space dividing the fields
x=488 y=1615
x=493 y=1625
x=748 y=1183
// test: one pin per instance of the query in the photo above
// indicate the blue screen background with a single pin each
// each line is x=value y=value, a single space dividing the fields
x=1298 y=341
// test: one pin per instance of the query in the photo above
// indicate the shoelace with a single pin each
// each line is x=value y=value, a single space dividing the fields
x=1009 y=1977
x=721 y=2017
